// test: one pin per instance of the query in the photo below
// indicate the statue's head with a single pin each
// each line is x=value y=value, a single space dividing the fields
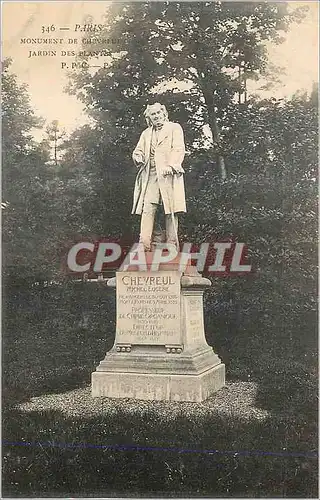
x=156 y=114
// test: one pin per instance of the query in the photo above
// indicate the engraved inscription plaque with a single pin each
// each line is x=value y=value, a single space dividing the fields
x=194 y=319
x=148 y=308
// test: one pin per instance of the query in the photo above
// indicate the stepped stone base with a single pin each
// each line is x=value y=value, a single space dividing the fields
x=160 y=351
x=159 y=387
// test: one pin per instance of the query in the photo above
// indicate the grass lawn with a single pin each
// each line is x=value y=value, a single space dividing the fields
x=58 y=441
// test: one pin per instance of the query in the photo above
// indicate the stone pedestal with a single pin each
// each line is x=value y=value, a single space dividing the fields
x=160 y=351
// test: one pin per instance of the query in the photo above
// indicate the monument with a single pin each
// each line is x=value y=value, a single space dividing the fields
x=160 y=351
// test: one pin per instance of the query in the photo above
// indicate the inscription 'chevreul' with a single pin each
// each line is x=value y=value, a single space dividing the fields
x=147 y=280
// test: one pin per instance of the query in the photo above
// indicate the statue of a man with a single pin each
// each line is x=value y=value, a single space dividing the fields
x=158 y=156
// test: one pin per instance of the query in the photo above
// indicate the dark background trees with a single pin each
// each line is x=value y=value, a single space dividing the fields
x=26 y=193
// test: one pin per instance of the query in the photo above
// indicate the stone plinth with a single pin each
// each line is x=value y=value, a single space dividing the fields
x=160 y=351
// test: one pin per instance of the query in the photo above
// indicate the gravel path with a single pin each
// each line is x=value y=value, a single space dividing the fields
x=236 y=400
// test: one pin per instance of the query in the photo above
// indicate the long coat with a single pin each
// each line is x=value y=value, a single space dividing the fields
x=169 y=151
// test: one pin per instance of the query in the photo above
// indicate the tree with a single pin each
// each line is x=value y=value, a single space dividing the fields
x=202 y=47
x=29 y=210
x=55 y=136
x=269 y=204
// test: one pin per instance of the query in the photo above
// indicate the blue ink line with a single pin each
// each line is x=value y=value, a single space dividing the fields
x=126 y=447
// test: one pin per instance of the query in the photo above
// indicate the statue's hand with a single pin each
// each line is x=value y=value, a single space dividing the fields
x=178 y=170
x=138 y=160
x=167 y=171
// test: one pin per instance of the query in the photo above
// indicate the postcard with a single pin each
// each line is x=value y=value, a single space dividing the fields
x=159 y=236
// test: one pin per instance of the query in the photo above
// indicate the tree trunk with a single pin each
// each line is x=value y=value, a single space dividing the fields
x=222 y=167
x=239 y=99
x=55 y=148
x=213 y=123
x=245 y=88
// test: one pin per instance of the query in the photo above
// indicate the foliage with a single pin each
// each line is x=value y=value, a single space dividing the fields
x=34 y=221
x=269 y=203
x=27 y=196
x=91 y=181
x=192 y=51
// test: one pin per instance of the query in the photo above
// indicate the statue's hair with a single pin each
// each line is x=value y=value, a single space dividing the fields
x=147 y=111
